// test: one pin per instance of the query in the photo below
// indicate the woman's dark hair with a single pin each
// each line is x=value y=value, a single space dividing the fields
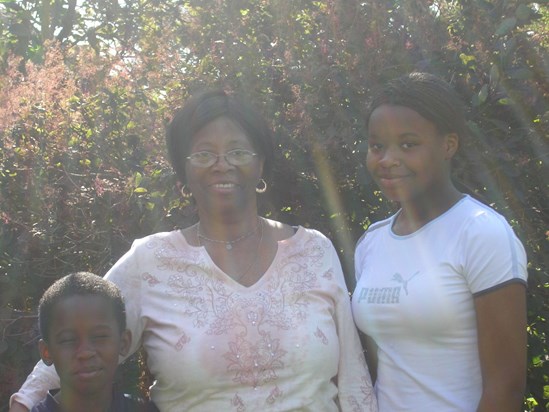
x=206 y=107
x=80 y=284
x=428 y=95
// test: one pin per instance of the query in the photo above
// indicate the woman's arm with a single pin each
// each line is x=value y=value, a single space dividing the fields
x=17 y=407
x=370 y=350
x=501 y=323
x=356 y=392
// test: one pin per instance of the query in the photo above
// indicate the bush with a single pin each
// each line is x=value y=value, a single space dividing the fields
x=82 y=165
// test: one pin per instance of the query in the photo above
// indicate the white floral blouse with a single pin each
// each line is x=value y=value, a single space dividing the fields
x=286 y=343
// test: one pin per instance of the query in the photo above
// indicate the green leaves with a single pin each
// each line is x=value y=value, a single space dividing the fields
x=481 y=96
x=506 y=26
x=82 y=161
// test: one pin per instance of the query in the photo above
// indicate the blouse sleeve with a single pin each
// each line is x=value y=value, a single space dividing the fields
x=36 y=386
x=354 y=384
x=125 y=275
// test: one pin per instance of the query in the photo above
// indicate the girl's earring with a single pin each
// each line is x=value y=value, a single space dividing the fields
x=262 y=186
x=185 y=192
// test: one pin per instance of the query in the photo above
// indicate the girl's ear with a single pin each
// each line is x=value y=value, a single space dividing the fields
x=44 y=352
x=451 y=145
x=125 y=342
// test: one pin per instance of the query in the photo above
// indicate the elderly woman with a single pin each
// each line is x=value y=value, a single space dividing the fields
x=237 y=312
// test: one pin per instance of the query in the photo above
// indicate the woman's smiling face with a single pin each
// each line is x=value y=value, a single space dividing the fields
x=223 y=185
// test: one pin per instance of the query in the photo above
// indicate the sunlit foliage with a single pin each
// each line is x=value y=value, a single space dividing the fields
x=87 y=87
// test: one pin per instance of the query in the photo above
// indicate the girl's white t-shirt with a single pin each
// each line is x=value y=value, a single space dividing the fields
x=414 y=297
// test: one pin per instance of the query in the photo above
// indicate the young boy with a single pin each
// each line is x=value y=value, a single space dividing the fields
x=82 y=321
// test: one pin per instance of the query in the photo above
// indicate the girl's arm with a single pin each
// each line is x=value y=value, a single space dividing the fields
x=501 y=323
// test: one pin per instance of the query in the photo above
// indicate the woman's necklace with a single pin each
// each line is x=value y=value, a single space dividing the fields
x=254 y=260
x=228 y=243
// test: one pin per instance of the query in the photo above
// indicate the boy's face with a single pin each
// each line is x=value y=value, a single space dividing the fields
x=84 y=344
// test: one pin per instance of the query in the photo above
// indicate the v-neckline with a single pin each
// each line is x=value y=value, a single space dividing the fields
x=226 y=278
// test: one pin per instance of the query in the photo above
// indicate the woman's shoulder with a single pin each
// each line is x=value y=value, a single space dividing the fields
x=159 y=236
x=279 y=231
x=285 y=233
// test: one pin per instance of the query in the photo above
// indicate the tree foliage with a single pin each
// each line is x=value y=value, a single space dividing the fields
x=86 y=90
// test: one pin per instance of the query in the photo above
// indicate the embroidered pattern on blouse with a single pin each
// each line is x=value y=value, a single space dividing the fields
x=150 y=279
x=238 y=403
x=275 y=393
x=183 y=340
x=247 y=319
x=254 y=363
x=319 y=334
x=367 y=390
x=329 y=274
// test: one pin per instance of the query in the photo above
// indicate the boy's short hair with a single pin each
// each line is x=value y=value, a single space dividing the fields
x=79 y=283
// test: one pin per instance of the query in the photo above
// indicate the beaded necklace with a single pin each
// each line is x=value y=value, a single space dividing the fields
x=228 y=243
x=254 y=260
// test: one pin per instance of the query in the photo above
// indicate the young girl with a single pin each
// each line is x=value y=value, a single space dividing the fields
x=440 y=284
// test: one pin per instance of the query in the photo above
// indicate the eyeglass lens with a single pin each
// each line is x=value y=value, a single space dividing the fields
x=233 y=157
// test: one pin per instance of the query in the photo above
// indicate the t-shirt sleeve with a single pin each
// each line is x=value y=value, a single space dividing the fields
x=494 y=255
x=354 y=384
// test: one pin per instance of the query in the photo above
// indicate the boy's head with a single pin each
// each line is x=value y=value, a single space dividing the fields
x=80 y=283
x=83 y=326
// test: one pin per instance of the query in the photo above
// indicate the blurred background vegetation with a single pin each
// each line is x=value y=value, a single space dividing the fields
x=86 y=89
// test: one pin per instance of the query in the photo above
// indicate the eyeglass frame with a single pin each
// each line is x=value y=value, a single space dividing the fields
x=217 y=156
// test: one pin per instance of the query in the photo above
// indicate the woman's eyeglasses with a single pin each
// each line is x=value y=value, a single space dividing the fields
x=236 y=157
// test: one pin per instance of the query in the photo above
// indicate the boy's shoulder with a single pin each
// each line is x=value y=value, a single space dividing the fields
x=48 y=404
x=123 y=402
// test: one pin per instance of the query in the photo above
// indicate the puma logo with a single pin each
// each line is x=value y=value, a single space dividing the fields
x=397 y=277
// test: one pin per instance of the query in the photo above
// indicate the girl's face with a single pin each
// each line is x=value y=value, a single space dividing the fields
x=407 y=156
x=223 y=184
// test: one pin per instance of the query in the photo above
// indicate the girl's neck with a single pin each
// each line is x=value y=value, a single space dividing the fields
x=416 y=214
